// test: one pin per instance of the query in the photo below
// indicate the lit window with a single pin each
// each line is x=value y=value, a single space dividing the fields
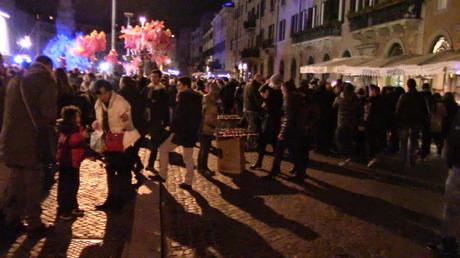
x=442 y=4
x=441 y=45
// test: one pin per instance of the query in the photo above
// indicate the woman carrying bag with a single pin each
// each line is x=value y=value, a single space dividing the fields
x=113 y=114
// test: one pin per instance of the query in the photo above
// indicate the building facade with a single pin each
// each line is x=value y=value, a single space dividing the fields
x=280 y=36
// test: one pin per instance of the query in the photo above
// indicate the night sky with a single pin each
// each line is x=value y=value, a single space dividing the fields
x=176 y=13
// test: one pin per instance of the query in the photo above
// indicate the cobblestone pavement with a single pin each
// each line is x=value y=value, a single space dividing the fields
x=346 y=211
x=96 y=234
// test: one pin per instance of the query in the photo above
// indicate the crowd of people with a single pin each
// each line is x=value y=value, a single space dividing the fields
x=111 y=117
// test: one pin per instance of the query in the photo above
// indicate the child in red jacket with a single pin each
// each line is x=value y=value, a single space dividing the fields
x=70 y=155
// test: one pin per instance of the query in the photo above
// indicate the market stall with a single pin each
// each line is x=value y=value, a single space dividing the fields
x=232 y=144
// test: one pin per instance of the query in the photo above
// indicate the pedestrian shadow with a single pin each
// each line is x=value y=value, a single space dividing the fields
x=212 y=233
x=176 y=159
x=384 y=178
x=117 y=233
x=58 y=243
x=246 y=197
x=399 y=220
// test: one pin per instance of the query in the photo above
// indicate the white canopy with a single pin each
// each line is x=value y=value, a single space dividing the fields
x=430 y=64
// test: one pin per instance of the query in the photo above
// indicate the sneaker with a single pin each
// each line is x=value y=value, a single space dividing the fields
x=343 y=163
x=65 y=217
x=372 y=162
x=78 y=212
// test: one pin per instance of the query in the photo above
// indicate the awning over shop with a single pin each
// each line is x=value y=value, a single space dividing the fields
x=411 y=65
x=332 y=65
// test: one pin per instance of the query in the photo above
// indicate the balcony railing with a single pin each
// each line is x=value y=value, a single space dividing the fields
x=250 y=53
x=383 y=12
x=333 y=28
x=268 y=43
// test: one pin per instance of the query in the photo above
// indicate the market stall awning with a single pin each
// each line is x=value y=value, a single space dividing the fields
x=332 y=65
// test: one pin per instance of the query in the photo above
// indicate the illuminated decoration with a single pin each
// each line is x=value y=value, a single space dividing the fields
x=112 y=57
x=25 y=42
x=149 y=41
x=20 y=59
x=58 y=48
x=173 y=72
x=4 y=42
x=87 y=46
x=105 y=67
x=441 y=45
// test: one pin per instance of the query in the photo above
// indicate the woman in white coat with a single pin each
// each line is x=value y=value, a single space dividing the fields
x=113 y=114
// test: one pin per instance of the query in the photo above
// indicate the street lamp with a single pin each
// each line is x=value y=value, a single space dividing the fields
x=142 y=20
x=114 y=20
x=25 y=42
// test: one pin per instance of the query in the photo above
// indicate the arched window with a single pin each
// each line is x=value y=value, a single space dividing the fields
x=440 y=45
x=395 y=50
x=326 y=57
x=293 y=69
x=281 y=68
x=310 y=61
x=346 y=54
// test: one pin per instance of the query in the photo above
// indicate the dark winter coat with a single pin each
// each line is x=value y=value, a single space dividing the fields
x=347 y=111
x=134 y=98
x=19 y=140
x=252 y=100
x=187 y=118
x=295 y=116
x=274 y=111
x=411 y=109
x=156 y=111
x=373 y=117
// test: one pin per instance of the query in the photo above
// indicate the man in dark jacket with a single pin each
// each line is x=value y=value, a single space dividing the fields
x=426 y=123
x=271 y=122
x=156 y=115
x=411 y=112
x=252 y=102
x=184 y=129
x=292 y=134
x=227 y=95
x=373 y=124
x=30 y=114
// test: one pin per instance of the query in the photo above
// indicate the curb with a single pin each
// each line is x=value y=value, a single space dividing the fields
x=145 y=240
